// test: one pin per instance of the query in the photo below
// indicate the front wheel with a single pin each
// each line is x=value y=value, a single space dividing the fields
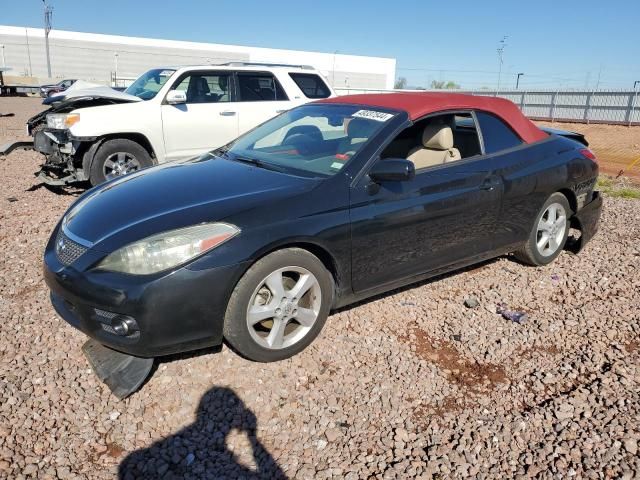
x=279 y=306
x=118 y=157
x=549 y=233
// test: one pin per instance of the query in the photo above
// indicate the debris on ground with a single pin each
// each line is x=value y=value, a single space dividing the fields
x=513 y=315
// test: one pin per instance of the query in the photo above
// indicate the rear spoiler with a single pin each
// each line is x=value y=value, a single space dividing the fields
x=578 y=137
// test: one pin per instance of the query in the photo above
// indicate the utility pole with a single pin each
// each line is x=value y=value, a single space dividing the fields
x=26 y=36
x=503 y=44
x=115 y=79
x=518 y=80
x=48 y=13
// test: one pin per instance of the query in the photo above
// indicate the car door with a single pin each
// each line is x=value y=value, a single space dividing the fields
x=445 y=215
x=522 y=169
x=208 y=119
x=260 y=97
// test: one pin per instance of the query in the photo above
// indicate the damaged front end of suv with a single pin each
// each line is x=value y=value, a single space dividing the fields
x=68 y=157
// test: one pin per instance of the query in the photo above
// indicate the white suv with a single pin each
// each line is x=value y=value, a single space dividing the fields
x=166 y=114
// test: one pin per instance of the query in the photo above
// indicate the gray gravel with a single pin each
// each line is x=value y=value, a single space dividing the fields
x=414 y=384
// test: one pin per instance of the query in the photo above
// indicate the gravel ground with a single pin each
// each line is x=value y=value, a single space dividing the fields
x=411 y=384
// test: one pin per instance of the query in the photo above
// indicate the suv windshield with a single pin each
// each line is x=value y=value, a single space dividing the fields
x=314 y=140
x=148 y=84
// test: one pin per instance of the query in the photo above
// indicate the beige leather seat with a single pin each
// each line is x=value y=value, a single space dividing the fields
x=437 y=141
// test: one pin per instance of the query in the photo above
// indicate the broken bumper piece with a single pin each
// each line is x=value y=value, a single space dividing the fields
x=7 y=148
x=122 y=373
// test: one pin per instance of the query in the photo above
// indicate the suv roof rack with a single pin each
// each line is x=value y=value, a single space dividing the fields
x=263 y=64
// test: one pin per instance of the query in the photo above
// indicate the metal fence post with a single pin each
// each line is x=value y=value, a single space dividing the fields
x=588 y=107
x=553 y=105
x=632 y=110
x=523 y=104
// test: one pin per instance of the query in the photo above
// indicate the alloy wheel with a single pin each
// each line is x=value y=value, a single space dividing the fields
x=551 y=230
x=284 y=307
x=118 y=164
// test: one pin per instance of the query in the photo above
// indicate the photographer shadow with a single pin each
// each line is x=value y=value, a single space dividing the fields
x=201 y=449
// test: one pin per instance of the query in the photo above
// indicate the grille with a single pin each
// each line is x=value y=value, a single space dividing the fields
x=67 y=250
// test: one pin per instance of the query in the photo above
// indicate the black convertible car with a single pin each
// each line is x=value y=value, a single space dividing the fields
x=324 y=205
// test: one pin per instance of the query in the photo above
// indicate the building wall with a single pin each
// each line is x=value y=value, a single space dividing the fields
x=95 y=57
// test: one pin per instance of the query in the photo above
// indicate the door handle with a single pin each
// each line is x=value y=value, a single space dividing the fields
x=281 y=111
x=227 y=113
x=490 y=183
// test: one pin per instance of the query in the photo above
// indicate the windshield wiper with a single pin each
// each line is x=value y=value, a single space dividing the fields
x=258 y=163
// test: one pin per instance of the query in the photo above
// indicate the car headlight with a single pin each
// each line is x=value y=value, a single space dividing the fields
x=62 y=121
x=168 y=249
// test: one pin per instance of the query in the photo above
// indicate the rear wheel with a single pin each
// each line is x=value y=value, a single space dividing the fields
x=549 y=233
x=118 y=157
x=279 y=306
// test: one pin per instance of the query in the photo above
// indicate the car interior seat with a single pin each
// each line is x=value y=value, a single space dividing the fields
x=358 y=131
x=437 y=147
x=198 y=90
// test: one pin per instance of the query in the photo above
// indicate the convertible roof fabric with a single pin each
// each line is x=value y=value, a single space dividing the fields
x=419 y=104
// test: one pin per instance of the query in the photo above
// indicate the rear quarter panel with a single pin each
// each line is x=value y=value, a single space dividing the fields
x=530 y=174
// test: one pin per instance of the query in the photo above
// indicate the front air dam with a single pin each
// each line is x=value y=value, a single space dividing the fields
x=122 y=373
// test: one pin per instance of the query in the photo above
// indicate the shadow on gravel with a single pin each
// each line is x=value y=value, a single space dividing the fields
x=68 y=190
x=201 y=450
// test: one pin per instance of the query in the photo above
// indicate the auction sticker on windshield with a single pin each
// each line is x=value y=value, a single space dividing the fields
x=373 y=115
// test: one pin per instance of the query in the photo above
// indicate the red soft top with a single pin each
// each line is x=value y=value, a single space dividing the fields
x=419 y=104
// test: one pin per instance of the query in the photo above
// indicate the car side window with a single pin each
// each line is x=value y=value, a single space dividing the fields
x=437 y=140
x=205 y=88
x=259 y=87
x=496 y=134
x=311 y=85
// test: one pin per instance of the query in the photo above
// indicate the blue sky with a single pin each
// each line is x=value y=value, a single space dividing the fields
x=554 y=43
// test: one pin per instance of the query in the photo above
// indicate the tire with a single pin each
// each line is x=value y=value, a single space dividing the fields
x=118 y=157
x=256 y=310
x=538 y=252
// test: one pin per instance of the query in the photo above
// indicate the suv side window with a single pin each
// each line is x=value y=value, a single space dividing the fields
x=205 y=87
x=496 y=134
x=259 y=87
x=311 y=85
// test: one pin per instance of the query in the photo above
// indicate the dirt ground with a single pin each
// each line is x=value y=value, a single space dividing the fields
x=413 y=384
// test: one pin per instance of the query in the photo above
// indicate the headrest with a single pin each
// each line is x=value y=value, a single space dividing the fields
x=360 y=128
x=437 y=136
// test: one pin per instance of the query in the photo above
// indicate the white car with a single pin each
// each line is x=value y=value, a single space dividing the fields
x=96 y=133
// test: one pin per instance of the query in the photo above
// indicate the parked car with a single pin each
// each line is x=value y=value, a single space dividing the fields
x=320 y=207
x=167 y=114
x=48 y=90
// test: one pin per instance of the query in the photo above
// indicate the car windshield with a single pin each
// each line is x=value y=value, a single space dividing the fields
x=148 y=84
x=314 y=140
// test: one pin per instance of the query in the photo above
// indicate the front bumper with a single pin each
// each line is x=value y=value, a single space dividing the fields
x=61 y=150
x=587 y=220
x=175 y=312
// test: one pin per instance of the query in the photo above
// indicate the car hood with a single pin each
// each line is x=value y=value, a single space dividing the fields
x=174 y=195
x=90 y=91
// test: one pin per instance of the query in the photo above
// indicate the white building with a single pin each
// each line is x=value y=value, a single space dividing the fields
x=100 y=58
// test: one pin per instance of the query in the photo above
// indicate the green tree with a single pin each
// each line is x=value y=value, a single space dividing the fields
x=444 y=85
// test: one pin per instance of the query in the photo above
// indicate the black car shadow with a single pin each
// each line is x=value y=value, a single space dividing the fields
x=200 y=450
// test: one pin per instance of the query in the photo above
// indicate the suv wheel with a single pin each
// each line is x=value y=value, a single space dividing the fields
x=118 y=157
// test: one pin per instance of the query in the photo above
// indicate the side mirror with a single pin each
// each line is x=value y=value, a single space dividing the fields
x=176 y=97
x=393 y=170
